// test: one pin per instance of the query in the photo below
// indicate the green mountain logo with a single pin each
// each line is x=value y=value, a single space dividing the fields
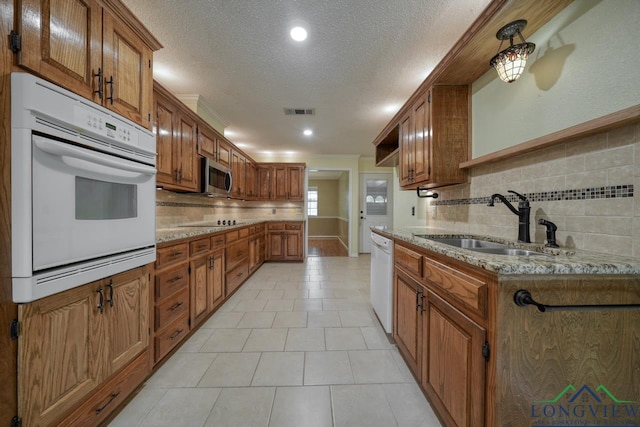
x=576 y=393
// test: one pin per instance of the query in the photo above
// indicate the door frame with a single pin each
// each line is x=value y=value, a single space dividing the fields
x=390 y=188
x=350 y=193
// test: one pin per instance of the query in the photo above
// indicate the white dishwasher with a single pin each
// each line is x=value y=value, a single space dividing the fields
x=381 y=292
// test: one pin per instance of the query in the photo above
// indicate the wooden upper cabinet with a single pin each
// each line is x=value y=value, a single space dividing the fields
x=434 y=138
x=265 y=183
x=224 y=153
x=91 y=50
x=281 y=181
x=176 y=141
x=295 y=183
x=279 y=177
x=238 y=172
x=207 y=143
x=251 y=180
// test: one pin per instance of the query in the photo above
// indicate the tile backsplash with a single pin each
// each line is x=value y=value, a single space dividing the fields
x=585 y=186
x=178 y=208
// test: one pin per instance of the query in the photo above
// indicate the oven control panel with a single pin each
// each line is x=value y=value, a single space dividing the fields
x=96 y=122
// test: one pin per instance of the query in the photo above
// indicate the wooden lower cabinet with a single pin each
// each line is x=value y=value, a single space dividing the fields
x=199 y=286
x=440 y=343
x=75 y=340
x=453 y=367
x=284 y=241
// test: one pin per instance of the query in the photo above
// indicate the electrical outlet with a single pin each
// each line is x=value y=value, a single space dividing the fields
x=273 y=211
x=434 y=212
x=413 y=211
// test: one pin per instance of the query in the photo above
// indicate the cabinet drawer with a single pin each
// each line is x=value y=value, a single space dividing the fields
x=172 y=254
x=235 y=253
x=231 y=236
x=217 y=241
x=243 y=232
x=172 y=308
x=293 y=226
x=199 y=246
x=236 y=276
x=172 y=280
x=410 y=260
x=275 y=226
x=167 y=340
x=468 y=290
x=98 y=407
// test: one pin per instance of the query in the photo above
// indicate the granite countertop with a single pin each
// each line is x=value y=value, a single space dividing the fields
x=196 y=229
x=556 y=261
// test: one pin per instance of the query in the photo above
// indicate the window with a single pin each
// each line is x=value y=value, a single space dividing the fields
x=312 y=205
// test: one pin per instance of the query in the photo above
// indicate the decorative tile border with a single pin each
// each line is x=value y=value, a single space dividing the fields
x=203 y=205
x=610 y=192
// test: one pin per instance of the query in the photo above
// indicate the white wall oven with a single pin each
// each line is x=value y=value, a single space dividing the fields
x=82 y=190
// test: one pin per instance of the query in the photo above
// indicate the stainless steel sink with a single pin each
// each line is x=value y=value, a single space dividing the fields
x=464 y=243
x=509 y=251
x=484 y=246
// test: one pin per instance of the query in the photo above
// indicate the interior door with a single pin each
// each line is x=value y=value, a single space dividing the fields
x=376 y=205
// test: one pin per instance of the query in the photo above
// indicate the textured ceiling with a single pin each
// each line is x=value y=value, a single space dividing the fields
x=361 y=61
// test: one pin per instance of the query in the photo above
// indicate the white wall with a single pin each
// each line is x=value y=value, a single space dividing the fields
x=586 y=65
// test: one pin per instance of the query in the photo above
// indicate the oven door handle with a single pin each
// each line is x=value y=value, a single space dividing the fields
x=60 y=149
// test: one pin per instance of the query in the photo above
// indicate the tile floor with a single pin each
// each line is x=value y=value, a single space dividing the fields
x=297 y=345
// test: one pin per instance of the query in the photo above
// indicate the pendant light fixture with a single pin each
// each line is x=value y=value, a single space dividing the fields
x=510 y=62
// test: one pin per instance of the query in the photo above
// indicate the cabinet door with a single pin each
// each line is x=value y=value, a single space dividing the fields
x=238 y=170
x=127 y=309
x=407 y=325
x=165 y=117
x=264 y=182
x=62 y=41
x=295 y=181
x=275 y=245
x=128 y=77
x=215 y=292
x=185 y=146
x=199 y=284
x=224 y=153
x=250 y=179
x=59 y=354
x=254 y=244
x=453 y=366
x=421 y=140
x=207 y=145
x=293 y=245
x=406 y=152
x=279 y=182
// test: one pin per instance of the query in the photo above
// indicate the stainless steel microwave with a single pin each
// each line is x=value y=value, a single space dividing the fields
x=216 y=179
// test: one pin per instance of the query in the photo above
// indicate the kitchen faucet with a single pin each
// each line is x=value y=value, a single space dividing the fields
x=523 y=212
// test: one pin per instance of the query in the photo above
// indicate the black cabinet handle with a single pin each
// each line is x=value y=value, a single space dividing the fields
x=176 y=306
x=101 y=300
x=110 y=83
x=175 y=279
x=99 y=76
x=522 y=298
x=110 y=286
x=111 y=399
x=175 y=335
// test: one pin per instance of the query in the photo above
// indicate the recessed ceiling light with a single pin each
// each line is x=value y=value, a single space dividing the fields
x=298 y=34
x=308 y=132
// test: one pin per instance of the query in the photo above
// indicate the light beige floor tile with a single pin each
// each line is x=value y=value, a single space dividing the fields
x=182 y=370
x=375 y=338
x=309 y=285
x=279 y=369
x=253 y=319
x=279 y=305
x=242 y=407
x=259 y=284
x=139 y=407
x=228 y=306
x=327 y=367
x=196 y=341
x=266 y=340
x=361 y=406
x=402 y=365
x=250 y=305
x=296 y=319
x=301 y=406
x=310 y=304
x=356 y=318
x=321 y=293
x=296 y=294
x=223 y=320
x=409 y=405
x=343 y=304
x=374 y=366
x=270 y=294
x=246 y=294
x=344 y=339
x=287 y=285
x=182 y=407
x=305 y=339
x=226 y=340
x=324 y=319
x=231 y=370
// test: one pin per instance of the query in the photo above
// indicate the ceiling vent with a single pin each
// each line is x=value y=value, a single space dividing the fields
x=300 y=111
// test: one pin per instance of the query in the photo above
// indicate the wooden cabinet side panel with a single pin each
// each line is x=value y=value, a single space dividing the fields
x=406 y=155
x=421 y=140
x=59 y=354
